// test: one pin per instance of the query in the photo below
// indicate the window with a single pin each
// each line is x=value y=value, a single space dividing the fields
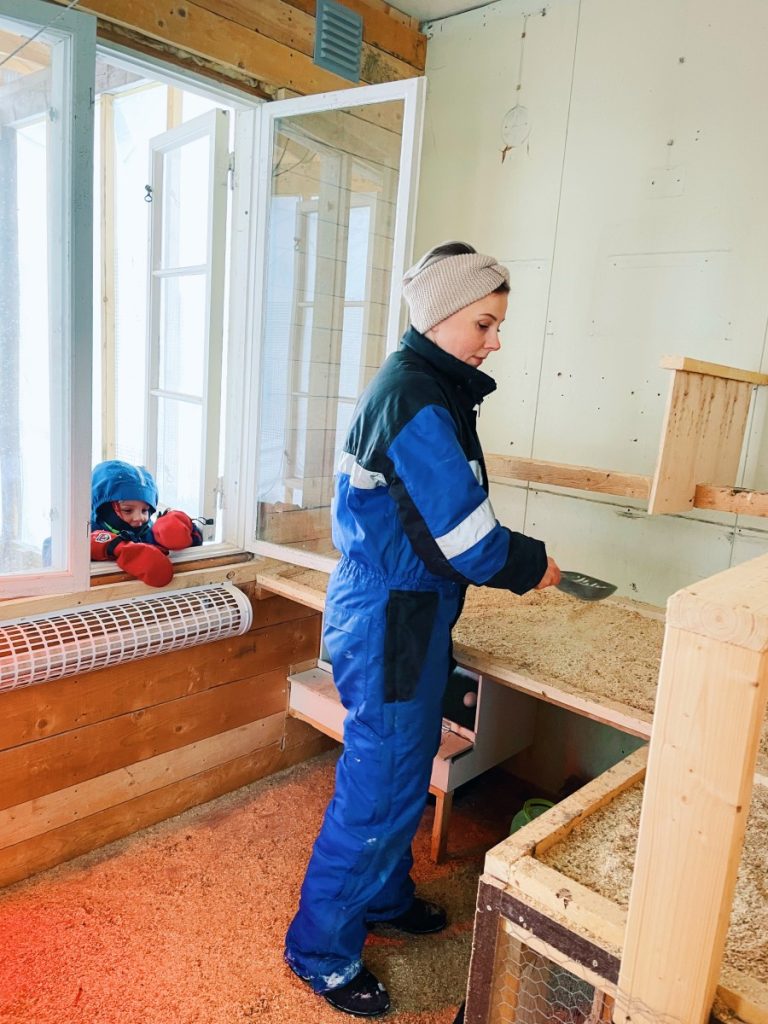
x=335 y=215
x=163 y=215
x=45 y=295
x=182 y=287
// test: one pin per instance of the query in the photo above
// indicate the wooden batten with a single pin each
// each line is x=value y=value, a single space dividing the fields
x=108 y=589
x=739 y=500
x=558 y=474
x=505 y=468
x=710 y=705
x=713 y=370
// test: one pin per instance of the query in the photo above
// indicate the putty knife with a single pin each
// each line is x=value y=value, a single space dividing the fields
x=586 y=588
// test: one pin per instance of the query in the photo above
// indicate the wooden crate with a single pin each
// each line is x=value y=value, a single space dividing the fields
x=548 y=942
x=661 y=958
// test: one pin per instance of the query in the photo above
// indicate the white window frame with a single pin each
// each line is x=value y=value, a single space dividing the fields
x=70 y=289
x=214 y=126
x=412 y=91
x=246 y=139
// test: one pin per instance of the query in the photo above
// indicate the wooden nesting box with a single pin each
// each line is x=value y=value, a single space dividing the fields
x=549 y=947
x=703 y=432
x=552 y=913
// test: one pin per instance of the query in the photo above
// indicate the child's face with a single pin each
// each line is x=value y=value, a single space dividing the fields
x=135 y=513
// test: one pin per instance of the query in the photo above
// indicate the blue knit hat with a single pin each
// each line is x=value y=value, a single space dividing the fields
x=120 y=481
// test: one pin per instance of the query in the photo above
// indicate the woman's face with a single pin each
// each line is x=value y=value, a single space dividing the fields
x=472 y=333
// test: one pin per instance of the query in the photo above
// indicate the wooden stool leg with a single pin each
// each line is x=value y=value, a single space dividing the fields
x=443 y=805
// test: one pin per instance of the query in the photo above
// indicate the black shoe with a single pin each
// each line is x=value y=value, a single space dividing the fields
x=421 y=918
x=364 y=996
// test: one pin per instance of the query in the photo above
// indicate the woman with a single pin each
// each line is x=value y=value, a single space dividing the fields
x=413 y=523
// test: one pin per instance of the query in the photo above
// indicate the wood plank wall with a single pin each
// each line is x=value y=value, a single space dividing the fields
x=263 y=46
x=92 y=758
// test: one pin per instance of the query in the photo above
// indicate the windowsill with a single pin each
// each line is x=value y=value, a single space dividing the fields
x=208 y=556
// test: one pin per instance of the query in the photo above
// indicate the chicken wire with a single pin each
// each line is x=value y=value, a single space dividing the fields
x=531 y=988
x=46 y=647
x=527 y=968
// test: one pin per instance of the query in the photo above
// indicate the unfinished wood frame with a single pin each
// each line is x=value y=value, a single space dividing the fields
x=262 y=46
x=699 y=454
x=555 y=909
x=711 y=700
x=710 y=706
x=493 y=993
x=703 y=432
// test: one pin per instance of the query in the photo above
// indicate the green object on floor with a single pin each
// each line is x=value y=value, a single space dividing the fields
x=531 y=809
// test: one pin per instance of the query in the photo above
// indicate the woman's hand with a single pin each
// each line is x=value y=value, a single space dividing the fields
x=551 y=577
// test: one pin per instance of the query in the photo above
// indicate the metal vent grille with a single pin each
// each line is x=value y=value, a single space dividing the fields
x=338 y=39
x=66 y=643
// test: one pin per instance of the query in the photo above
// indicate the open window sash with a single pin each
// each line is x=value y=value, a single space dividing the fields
x=335 y=201
x=185 y=329
x=46 y=162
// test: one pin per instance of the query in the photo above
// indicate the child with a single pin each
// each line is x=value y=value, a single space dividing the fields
x=123 y=500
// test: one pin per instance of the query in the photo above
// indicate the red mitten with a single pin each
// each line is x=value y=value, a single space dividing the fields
x=174 y=530
x=144 y=561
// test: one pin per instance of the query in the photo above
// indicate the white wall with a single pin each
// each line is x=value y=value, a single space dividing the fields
x=634 y=222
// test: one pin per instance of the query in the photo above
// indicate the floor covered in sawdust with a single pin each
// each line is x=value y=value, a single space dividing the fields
x=184 y=922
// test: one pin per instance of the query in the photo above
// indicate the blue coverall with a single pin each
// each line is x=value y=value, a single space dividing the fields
x=413 y=523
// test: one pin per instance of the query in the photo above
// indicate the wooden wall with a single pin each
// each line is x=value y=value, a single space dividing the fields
x=92 y=758
x=261 y=45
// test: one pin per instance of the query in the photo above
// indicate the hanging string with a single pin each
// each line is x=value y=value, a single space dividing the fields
x=43 y=28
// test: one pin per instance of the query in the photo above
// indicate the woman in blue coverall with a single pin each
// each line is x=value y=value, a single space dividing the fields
x=414 y=526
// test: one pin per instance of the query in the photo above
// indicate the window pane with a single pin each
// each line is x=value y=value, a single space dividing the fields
x=138 y=116
x=185 y=188
x=179 y=443
x=182 y=334
x=330 y=248
x=32 y=424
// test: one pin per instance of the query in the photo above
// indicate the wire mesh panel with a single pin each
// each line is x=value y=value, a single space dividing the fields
x=531 y=987
x=41 y=648
x=528 y=968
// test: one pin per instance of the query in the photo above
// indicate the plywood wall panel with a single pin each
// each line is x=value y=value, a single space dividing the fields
x=634 y=220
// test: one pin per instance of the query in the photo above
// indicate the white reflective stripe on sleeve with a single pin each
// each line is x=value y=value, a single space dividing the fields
x=358 y=476
x=474 y=465
x=471 y=530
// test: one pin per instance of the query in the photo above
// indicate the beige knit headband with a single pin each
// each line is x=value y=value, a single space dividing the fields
x=438 y=286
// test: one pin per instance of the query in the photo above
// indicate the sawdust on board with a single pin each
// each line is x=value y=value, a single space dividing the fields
x=603 y=650
x=600 y=854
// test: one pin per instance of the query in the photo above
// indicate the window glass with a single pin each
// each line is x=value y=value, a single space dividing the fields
x=35 y=432
x=159 y=299
x=330 y=247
